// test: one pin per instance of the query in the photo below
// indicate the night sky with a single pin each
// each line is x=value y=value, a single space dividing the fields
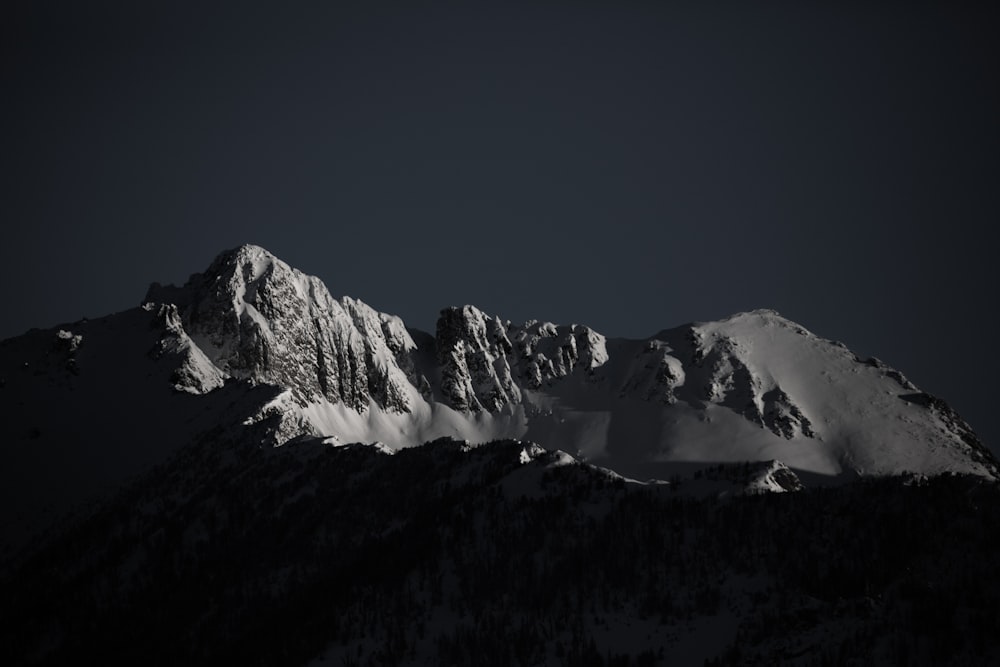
x=630 y=166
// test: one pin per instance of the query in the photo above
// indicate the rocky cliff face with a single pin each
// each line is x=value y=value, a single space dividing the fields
x=257 y=319
x=195 y=373
x=473 y=351
x=485 y=362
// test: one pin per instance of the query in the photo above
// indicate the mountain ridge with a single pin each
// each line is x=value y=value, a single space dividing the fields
x=261 y=349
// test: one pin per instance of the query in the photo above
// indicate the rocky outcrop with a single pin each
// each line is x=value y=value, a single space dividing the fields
x=782 y=416
x=194 y=372
x=546 y=352
x=485 y=362
x=726 y=367
x=472 y=350
x=655 y=374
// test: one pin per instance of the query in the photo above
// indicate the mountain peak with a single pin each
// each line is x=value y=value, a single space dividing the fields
x=248 y=250
x=248 y=255
x=252 y=263
x=261 y=320
x=760 y=317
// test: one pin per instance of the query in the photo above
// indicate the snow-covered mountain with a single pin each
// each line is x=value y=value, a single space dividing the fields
x=253 y=348
x=752 y=387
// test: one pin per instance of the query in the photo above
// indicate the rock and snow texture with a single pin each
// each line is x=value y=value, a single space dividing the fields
x=546 y=352
x=482 y=358
x=473 y=351
x=195 y=372
x=254 y=346
x=258 y=319
x=816 y=395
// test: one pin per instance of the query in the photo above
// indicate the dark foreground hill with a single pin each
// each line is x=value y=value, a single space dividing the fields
x=504 y=554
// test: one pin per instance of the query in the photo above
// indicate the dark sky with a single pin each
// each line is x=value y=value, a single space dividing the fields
x=631 y=166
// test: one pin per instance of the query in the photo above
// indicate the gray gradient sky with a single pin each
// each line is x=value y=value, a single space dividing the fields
x=631 y=166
